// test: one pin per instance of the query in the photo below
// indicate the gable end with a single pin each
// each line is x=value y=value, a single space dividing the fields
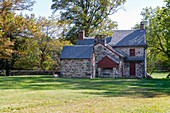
x=107 y=48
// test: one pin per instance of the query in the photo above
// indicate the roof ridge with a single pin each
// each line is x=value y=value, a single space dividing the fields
x=76 y=45
x=128 y=30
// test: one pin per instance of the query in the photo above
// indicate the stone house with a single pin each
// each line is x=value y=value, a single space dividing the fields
x=122 y=55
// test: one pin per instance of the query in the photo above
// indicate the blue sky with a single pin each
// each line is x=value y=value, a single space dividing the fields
x=126 y=18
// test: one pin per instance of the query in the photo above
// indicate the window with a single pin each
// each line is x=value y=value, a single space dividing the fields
x=132 y=52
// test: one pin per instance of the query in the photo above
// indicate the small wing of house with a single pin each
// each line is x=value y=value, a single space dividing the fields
x=77 y=61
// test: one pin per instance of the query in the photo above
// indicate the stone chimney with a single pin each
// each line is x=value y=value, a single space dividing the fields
x=142 y=25
x=81 y=35
x=101 y=39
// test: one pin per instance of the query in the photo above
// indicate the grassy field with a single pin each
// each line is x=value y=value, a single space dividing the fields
x=43 y=94
x=160 y=74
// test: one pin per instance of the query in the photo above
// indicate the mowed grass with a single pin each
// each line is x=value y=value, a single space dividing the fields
x=160 y=74
x=42 y=94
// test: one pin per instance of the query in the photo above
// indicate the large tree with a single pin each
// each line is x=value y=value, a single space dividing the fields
x=42 y=51
x=157 y=25
x=12 y=25
x=85 y=14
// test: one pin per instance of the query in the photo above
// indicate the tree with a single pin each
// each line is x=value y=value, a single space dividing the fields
x=157 y=22
x=42 y=51
x=47 y=44
x=105 y=28
x=12 y=25
x=85 y=14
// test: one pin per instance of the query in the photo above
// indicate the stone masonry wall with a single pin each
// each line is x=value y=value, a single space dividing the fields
x=126 y=69
x=113 y=74
x=101 y=52
x=139 y=69
x=76 y=68
x=139 y=51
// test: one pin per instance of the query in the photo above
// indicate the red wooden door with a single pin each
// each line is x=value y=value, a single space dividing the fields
x=132 y=69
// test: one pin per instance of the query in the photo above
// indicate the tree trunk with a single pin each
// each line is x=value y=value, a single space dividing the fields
x=41 y=61
x=7 y=68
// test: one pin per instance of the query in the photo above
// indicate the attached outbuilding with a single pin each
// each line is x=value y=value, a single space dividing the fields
x=77 y=62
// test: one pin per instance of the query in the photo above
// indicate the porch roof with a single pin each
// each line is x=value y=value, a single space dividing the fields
x=108 y=62
x=134 y=59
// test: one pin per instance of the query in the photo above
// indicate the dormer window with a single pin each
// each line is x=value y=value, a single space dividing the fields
x=132 y=52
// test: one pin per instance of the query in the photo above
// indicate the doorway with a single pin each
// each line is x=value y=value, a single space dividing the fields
x=132 y=69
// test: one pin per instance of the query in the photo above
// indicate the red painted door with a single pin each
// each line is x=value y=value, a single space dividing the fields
x=132 y=69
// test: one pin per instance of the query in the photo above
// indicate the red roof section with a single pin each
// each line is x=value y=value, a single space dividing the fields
x=106 y=62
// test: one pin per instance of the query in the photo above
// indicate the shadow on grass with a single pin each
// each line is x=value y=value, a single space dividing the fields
x=110 y=87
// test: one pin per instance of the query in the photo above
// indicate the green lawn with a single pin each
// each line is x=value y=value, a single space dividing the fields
x=160 y=74
x=41 y=94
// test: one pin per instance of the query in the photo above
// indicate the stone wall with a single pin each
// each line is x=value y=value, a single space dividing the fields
x=113 y=74
x=126 y=69
x=76 y=68
x=139 y=69
x=101 y=52
x=139 y=51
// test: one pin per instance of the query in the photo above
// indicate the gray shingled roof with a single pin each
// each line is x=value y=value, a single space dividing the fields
x=77 y=52
x=134 y=59
x=90 y=41
x=128 y=38
x=120 y=38
x=85 y=42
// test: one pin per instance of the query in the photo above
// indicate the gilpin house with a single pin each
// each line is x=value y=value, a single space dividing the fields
x=122 y=55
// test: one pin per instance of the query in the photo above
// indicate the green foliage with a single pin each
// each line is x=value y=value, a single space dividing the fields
x=90 y=15
x=105 y=28
x=33 y=40
x=42 y=51
x=157 y=25
x=12 y=25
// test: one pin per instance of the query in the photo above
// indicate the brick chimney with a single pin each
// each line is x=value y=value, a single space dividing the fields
x=81 y=35
x=100 y=38
x=142 y=25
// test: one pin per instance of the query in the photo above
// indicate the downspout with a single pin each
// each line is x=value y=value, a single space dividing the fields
x=122 y=67
x=122 y=71
x=93 y=64
x=61 y=72
x=144 y=64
